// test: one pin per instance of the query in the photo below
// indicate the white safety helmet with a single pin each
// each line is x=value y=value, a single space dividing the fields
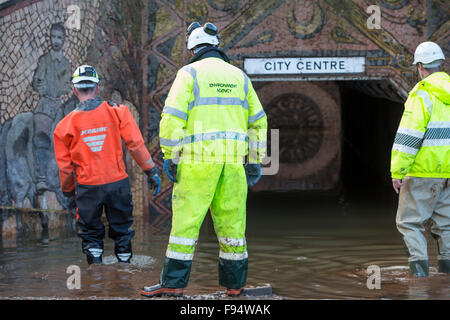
x=196 y=35
x=428 y=52
x=85 y=73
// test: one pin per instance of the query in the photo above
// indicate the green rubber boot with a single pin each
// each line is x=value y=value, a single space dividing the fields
x=419 y=268
x=444 y=266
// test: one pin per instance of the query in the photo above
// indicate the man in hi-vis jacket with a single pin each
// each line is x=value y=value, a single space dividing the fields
x=420 y=163
x=213 y=119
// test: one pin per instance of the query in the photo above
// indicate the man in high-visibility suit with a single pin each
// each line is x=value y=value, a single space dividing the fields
x=213 y=119
x=88 y=151
x=420 y=164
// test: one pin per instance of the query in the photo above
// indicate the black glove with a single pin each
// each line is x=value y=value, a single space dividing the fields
x=170 y=168
x=153 y=180
x=253 y=172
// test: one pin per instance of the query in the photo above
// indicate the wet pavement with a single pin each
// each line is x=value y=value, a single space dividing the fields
x=306 y=248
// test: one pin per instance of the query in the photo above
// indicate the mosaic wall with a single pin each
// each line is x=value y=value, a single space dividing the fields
x=25 y=38
x=137 y=47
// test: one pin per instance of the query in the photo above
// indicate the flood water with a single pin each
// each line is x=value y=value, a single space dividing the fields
x=305 y=247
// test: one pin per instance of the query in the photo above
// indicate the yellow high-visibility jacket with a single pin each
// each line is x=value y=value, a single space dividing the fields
x=422 y=143
x=212 y=114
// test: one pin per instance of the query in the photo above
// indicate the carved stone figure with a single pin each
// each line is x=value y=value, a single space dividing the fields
x=52 y=81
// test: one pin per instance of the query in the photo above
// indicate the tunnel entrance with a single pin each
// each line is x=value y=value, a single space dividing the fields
x=371 y=112
x=334 y=136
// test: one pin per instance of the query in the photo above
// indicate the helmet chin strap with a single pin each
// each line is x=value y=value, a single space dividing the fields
x=199 y=48
x=207 y=49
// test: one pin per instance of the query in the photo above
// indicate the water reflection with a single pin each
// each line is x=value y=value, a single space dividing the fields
x=305 y=251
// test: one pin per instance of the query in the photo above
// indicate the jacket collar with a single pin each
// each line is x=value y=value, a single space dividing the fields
x=88 y=105
x=209 y=52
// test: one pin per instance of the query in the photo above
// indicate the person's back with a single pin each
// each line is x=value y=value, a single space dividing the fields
x=88 y=151
x=212 y=118
x=96 y=129
x=216 y=129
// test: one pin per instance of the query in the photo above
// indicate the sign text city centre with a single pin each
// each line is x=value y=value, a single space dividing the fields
x=304 y=65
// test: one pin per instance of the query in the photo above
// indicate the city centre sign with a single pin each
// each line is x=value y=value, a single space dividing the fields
x=316 y=65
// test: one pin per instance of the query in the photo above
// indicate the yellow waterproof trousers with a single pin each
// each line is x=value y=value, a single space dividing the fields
x=222 y=188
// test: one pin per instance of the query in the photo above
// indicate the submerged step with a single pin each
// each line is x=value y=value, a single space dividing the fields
x=264 y=290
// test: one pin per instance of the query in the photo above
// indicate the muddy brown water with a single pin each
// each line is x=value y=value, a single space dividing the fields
x=306 y=249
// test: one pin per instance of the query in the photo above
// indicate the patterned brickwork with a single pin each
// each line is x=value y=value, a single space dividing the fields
x=24 y=37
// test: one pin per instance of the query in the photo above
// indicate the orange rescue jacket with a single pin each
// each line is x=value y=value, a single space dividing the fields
x=88 y=142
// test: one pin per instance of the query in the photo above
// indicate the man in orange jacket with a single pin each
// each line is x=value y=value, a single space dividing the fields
x=88 y=150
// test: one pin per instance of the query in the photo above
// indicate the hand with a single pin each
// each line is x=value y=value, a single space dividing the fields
x=253 y=173
x=170 y=168
x=397 y=184
x=153 y=180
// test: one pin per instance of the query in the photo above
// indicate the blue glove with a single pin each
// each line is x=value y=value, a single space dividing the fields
x=253 y=172
x=170 y=168
x=153 y=180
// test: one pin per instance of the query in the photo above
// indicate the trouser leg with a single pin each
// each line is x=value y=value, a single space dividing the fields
x=42 y=142
x=89 y=201
x=191 y=198
x=228 y=211
x=441 y=221
x=416 y=205
x=119 y=213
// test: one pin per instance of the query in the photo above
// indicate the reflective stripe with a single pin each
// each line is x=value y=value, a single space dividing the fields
x=179 y=255
x=124 y=256
x=150 y=162
x=246 y=90
x=257 y=144
x=232 y=242
x=426 y=99
x=196 y=88
x=439 y=124
x=175 y=112
x=169 y=142
x=221 y=101
x=259 y=115
x=405 y=149
x=411 y=132
x=208 y=101
x=408 y=141
x=95 y=138
x=95 y=143
x=437 y=133
x=233 y=255
x=215 y=136
x=182 y=241
x=209 y=136
x=96 y=252
x=245 y=85
x=96 y=149
x=436 y=143
x=408 y=138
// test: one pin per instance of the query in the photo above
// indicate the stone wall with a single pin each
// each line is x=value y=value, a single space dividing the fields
x=137 y=47
x=36 y=93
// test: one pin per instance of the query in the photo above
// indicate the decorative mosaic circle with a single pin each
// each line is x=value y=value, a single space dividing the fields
x=301 y=126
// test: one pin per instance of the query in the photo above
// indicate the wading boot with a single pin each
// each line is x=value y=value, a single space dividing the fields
x=444 y=266
x=124 y=257
x=234 y=292
x=94 y=260
x=419 y=268
x=158 y=291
